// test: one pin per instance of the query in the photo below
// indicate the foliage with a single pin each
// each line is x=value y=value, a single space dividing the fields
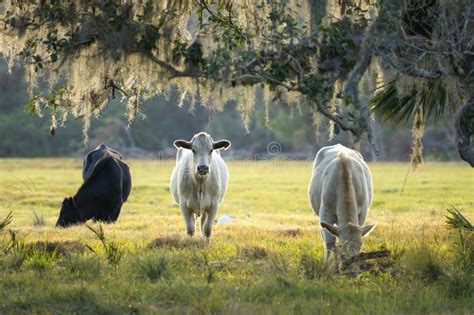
x=107 y=42
x=433 y=99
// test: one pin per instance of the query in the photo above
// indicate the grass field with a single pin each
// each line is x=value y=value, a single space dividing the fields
x=268 y=259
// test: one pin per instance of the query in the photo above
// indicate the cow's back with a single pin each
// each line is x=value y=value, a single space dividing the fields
x=335 y=170
x=94 y=156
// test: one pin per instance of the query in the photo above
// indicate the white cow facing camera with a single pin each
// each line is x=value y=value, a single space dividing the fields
x=199 y=180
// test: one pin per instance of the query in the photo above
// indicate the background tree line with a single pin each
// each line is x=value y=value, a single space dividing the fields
x=26 y=135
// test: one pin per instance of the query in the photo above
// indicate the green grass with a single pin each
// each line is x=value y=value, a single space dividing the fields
x=267 y=260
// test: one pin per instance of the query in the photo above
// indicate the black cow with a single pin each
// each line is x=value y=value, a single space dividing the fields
x=107 y=184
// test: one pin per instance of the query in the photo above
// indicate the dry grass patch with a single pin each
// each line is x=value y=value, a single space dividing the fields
x=253 y=252
x=176 y=241
x=60 y=247
x=290 y=232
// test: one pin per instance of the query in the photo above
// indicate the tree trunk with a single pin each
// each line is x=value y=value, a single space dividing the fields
x=464 y=125
x=318 y=12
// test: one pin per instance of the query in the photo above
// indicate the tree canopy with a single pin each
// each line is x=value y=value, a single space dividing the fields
x=417 y=55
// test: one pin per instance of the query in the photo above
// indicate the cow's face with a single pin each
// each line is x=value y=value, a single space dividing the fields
x=350 y=237
x=68 y=215
x=202 y=147
x=350 y=240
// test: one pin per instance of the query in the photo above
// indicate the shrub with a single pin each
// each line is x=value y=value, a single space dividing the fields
x=154 y=267
x=113 y=252
x=82 y=265
x=424 y=261
x=311 y=268
x=253 y=252
x=42 y=260
x=38 y=219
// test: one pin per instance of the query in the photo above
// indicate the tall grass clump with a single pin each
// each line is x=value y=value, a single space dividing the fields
x=9 y=237
x=12 y=247
x=425 y=261
x=154 y=266
x=38 y=219
x=6 y=221
x=82 y=265
x=455 y=220
x=113 y=252
x=312 y=268
x=41 y=260
x=461 y=276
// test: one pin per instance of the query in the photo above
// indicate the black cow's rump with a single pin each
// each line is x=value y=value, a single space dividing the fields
x=107 y=184
x=94 y=156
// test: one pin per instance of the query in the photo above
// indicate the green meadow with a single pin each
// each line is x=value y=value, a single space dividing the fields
x=267 y=260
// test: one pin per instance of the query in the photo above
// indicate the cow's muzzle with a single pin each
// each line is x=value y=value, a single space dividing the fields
x=203 y=169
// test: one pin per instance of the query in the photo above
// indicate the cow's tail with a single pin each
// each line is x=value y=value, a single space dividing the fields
x=347 y=197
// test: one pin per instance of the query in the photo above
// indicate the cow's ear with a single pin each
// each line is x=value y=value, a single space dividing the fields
x=183 y=144
x=331 y=228
x=222 y=144
x=367 y=229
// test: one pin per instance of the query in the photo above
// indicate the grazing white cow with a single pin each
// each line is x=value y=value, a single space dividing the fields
x=199 y=180
x=340 y=193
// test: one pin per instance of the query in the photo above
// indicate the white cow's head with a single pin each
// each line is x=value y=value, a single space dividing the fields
x=350 y=237
x=202 y=146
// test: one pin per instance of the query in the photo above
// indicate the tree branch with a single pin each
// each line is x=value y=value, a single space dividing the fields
x=175 y=73
x=410 y=71
x=352 y=91
x=351 y=87
x=323 y=108
x=222 y=19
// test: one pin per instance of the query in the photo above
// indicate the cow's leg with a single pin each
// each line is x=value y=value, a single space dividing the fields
x=203 y=220
x=328 y=238
x=207 y=226
x=115 y=213
x=188 y=218
x=102 y=216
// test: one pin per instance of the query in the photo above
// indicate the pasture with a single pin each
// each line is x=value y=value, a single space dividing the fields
x=268 y=259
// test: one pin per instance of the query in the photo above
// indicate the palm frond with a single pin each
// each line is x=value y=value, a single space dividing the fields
x=455 y=220
x=434 y=99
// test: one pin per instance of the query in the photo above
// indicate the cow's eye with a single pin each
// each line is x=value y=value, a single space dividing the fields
x=210 y=152
x=194 y=152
